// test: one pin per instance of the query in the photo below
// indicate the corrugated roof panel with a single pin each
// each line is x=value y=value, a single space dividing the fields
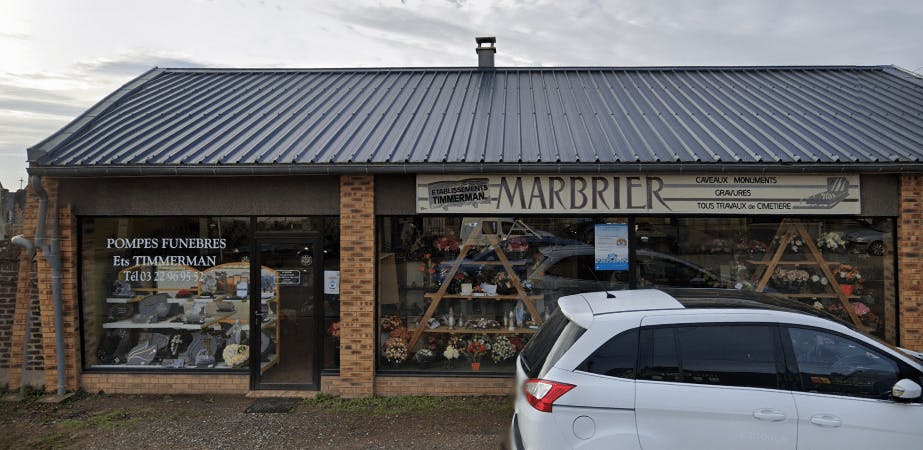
x=517 y=115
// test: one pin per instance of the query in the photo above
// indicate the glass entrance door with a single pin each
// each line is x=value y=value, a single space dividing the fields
x=287 y=313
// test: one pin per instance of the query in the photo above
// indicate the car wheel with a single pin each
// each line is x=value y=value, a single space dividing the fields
x=877 y=248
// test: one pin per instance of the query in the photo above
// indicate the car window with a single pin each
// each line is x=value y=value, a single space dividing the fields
x=664 y=272
x=658 y=359
x=616 y=358
x=554 y=338
x=729 y=355
x=832 y=364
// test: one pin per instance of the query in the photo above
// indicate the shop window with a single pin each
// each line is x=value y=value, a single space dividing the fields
x=174 y=293
x=739 y=253
x=494 y=282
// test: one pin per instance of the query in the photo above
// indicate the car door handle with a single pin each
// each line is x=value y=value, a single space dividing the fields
x=769 y=415
x=826 y=420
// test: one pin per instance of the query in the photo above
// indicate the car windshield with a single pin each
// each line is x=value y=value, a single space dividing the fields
x=554 y=338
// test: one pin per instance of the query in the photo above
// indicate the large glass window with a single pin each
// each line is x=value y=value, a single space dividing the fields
x=454 y=290
x=843 y=266
x=166 y=292
x=174 y=292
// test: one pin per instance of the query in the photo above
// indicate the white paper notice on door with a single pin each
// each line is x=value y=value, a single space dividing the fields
x=332 y=282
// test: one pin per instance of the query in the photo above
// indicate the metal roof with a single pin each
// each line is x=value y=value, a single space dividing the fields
x=440 y=119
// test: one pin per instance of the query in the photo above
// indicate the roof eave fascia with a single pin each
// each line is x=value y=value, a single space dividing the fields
x=462 y=168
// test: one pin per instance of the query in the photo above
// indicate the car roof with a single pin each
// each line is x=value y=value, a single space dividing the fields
x=581 y=308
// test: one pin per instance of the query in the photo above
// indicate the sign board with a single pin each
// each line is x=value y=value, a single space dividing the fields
x=611 y=247
x=639 y=194
x=331 y=282
x=289 y=278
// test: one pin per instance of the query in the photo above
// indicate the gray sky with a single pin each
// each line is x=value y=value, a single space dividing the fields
x=60 y=57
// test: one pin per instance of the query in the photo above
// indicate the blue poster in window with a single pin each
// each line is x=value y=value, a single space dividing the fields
x=611 y=246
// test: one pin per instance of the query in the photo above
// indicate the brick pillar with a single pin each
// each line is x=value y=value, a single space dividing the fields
x=357 y=286
x=24 y=293
x=910 y=261
x=68 y=247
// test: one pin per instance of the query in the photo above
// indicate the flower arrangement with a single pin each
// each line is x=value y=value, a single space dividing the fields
x=389 y=323
x=516 y=247
x=504 y=284
x=395 y=351
x=790 y=280
x=236 y=355
x=483 y=324
x=476 y=348
x=848 y=274
x=448 y=245
x=502 y=349
x=429 y=269
x=794 y=244
x=424 y=357
x=818 y=283
x=752 y=247
x=334 y=330
x=450 y=353
x=457 y=343
x=831 y=240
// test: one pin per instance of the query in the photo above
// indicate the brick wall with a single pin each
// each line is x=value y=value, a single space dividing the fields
x=27 y=303
x=9 y=276
x=153 y=383
x=443 y=386
x=357 y=287
x=910 y=262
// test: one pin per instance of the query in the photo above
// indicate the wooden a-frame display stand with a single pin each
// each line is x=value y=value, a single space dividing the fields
x=787 y=231
x=476 y=239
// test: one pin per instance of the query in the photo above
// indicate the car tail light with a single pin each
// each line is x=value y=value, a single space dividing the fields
x=541 y=394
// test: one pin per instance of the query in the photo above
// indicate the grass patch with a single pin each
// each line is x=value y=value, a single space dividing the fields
x=412 y=404
x=102 y=421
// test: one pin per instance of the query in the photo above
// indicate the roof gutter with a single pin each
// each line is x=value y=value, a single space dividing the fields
x=463 y=168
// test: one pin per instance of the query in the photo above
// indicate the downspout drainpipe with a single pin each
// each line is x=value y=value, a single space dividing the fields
x=52 y=254
x=27 y=245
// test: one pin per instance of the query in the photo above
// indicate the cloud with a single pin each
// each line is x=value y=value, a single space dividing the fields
x=133 y=64
x=15 y=36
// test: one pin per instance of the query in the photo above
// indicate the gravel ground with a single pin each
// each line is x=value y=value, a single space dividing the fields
x=178 y=422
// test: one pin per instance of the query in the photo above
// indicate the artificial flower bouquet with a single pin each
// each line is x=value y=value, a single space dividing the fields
x=395 y=351
x=502 y=349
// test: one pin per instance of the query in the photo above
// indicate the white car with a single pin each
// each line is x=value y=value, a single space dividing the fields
x=710 y=369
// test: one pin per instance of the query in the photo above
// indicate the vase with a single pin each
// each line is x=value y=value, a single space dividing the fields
x=475 y=366
x=847 y=289
x=450 y=364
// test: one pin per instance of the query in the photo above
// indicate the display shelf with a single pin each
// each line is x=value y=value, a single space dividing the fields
x=485 y=297
x=448 y=330
x=824 y=295
x=788 y=262
x=165 y=324
x=788 y=230
x=124 y=300
x=474 y=240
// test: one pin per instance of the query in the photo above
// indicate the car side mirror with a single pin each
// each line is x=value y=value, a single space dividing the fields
x=906 y=390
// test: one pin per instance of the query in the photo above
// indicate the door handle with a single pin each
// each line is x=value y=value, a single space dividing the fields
x=769 y=415
x=826 y=420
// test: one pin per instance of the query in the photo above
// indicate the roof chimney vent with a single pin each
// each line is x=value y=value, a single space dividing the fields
x=485 y=51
